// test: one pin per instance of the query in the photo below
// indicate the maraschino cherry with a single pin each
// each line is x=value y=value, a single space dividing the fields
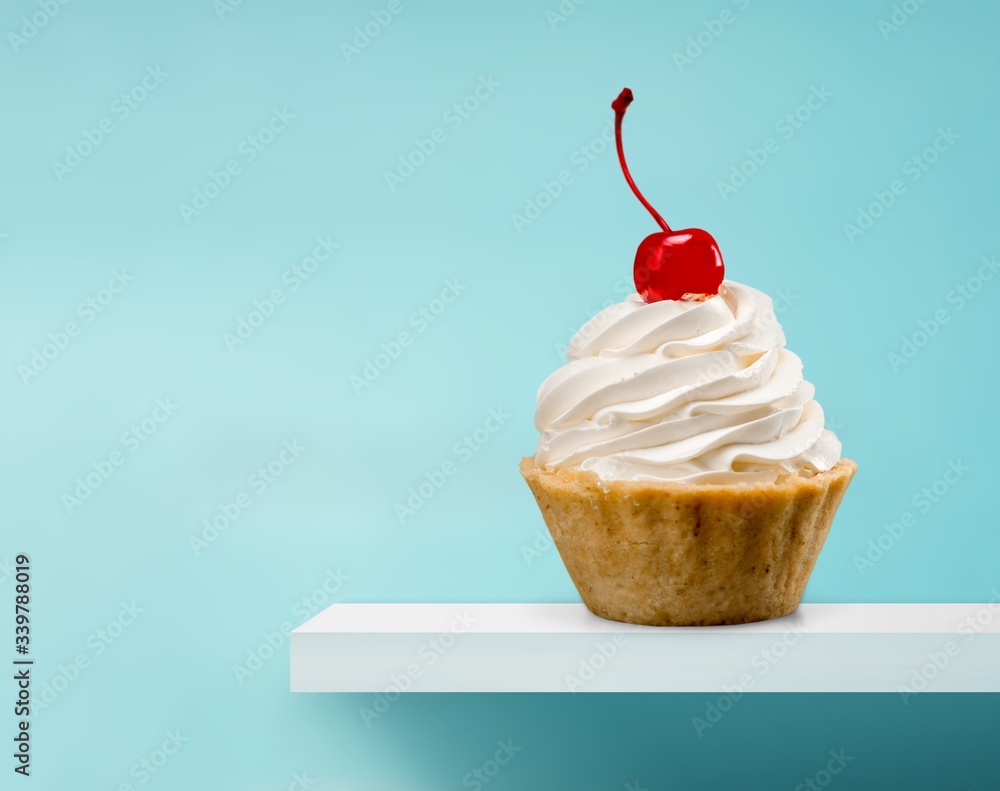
x=669 y=264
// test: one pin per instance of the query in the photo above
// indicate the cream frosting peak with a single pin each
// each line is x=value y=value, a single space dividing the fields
x=700 y=391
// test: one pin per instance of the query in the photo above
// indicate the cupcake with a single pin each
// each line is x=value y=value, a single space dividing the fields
x=684 y=469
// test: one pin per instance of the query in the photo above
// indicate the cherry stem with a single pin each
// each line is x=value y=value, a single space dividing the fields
x=620 y=105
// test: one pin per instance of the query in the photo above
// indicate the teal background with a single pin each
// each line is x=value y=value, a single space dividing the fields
x=848 y=304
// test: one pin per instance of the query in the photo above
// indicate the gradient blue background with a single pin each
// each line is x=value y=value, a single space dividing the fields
x=526 y=290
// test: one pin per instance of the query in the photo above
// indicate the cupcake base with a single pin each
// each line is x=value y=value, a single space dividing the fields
x=675 y=554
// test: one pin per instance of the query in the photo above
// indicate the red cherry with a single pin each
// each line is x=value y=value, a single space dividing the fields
x=669 y=264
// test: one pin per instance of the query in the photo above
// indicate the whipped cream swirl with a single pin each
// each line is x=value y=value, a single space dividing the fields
x=700 y=392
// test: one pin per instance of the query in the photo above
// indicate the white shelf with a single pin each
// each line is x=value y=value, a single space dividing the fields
x=564 y=648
